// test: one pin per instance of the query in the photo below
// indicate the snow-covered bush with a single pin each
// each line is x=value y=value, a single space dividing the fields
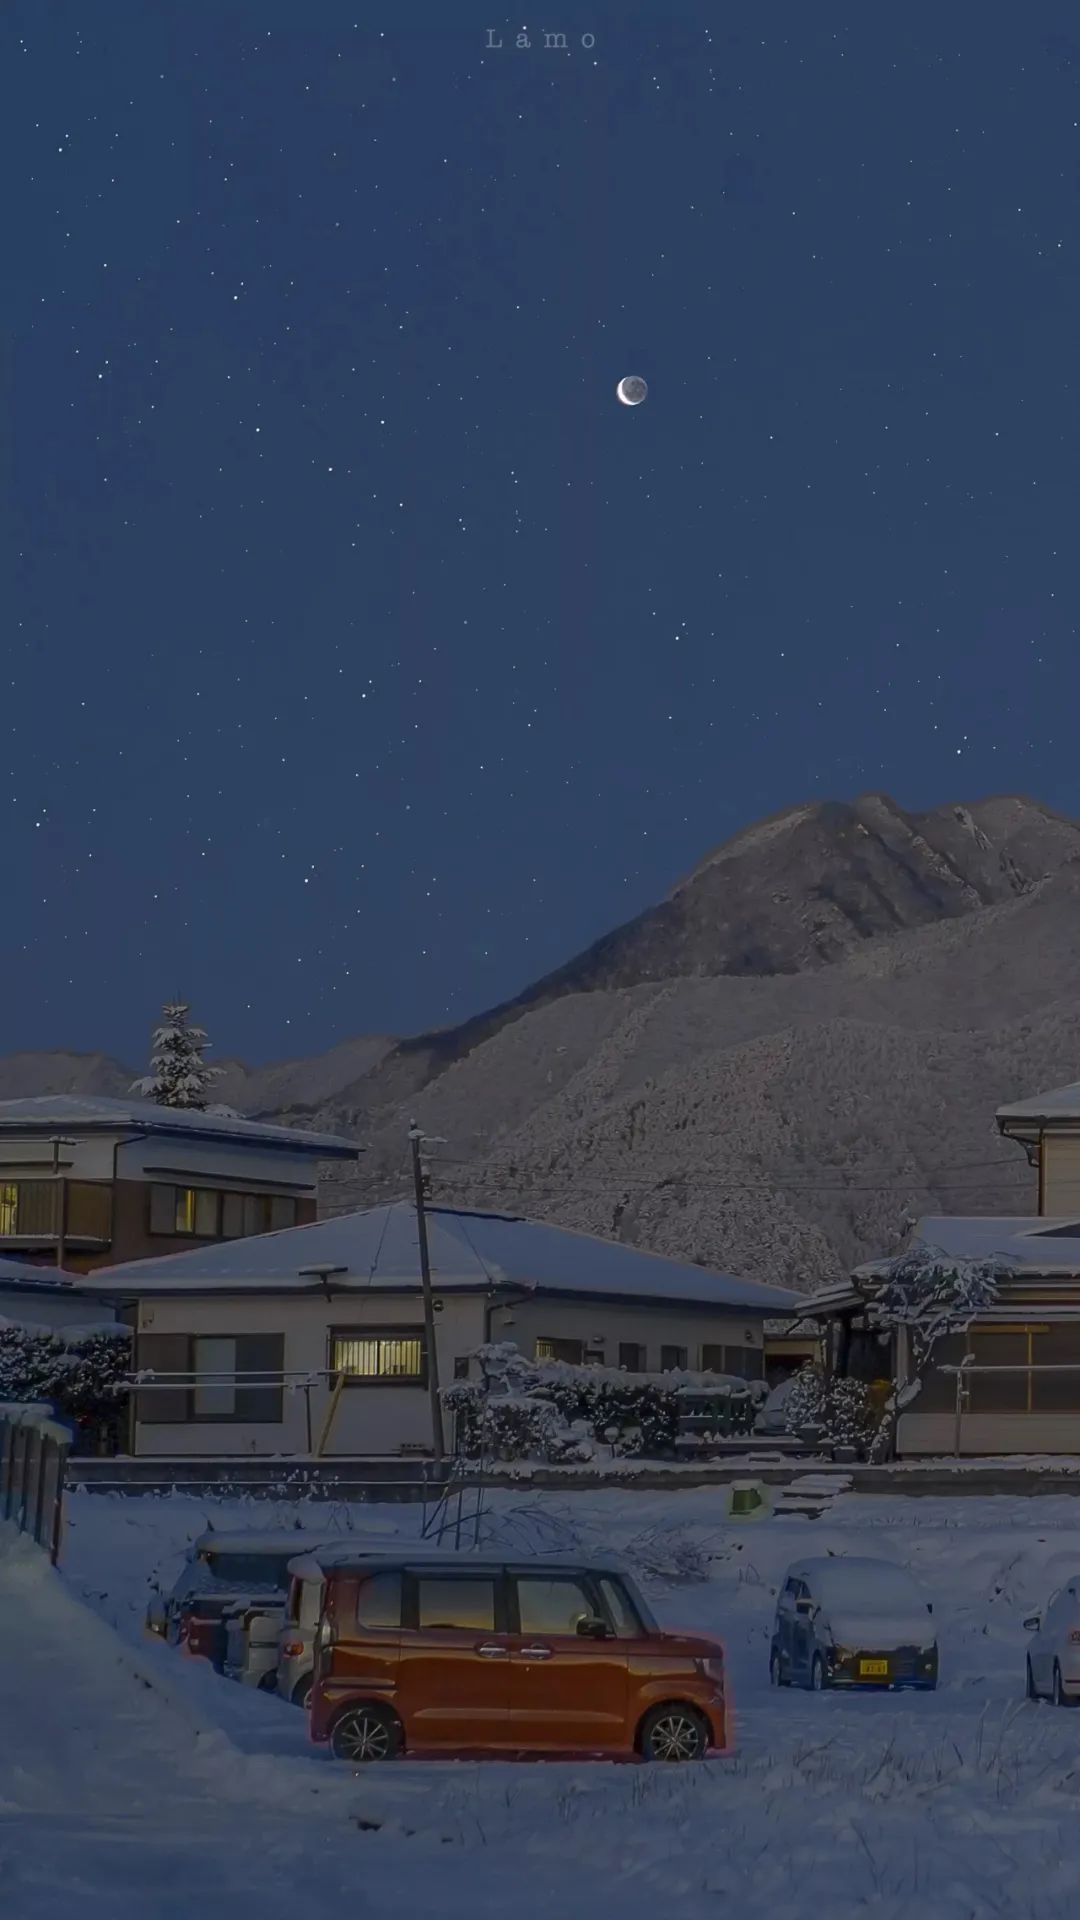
x=635 y=1415
x=839 y=1408
x=82 y=1373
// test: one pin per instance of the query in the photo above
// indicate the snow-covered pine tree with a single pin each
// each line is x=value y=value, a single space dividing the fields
x=179 y=1076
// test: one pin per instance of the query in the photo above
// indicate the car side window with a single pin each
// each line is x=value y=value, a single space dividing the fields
x=552 y=1605
x=467 y=1604
x=623 y=1614
x=378 y=1601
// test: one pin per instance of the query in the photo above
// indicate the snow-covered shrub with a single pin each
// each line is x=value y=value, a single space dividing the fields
x=839 y=1408
x=82 y=1373
x=635 y=1415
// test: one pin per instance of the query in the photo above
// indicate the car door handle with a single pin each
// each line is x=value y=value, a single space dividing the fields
x=490 y=1652
x=535 y=1653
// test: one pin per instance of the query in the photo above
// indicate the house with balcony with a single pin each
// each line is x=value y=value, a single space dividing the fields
x=242 y=1347
x=87 y=1182
x=1020 y=1389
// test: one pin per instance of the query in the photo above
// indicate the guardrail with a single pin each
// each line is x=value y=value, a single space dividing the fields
x=33 y=1462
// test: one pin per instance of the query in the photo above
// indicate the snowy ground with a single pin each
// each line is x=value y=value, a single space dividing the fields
x=190 y=1795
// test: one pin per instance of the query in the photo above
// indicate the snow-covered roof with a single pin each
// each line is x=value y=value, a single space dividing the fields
x=378 y=1250
x=24 y=1276
x=1062 y=1103
x=79 y=1113
x=1032 y=1243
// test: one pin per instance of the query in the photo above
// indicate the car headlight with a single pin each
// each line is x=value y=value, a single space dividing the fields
x=843 y=1653
x=713 y=1669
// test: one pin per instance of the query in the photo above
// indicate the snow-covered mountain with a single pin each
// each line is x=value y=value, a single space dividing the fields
x=769 y=1070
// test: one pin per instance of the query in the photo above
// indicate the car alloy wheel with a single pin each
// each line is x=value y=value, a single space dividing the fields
x=777 y=1676
x=673 y=1734
x=364 y=1734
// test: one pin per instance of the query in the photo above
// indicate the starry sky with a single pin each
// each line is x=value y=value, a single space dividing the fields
x=363 y=657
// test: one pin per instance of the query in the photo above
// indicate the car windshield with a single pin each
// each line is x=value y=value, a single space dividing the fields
x=235 y=1573
x=871 y=1588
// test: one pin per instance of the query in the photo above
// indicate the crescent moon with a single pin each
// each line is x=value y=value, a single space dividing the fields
x=631 y=390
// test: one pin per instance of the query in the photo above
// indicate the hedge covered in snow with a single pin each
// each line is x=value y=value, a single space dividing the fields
x=79 y=1371
x=519 y=1409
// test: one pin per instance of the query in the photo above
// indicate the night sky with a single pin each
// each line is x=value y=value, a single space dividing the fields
x=363 y=657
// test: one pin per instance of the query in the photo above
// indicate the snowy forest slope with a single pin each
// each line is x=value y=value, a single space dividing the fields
x=770 y=1071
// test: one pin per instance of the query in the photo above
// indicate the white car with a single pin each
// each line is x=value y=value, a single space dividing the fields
x=1053 y=1662
x=845 y=1621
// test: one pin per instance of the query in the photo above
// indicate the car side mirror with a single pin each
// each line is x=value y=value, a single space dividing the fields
x=1033 y=1623
x=591 y=1627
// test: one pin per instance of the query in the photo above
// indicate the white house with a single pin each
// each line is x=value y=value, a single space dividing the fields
x=244 y=1339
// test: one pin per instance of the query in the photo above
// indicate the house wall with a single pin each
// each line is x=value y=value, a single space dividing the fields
x=1059 y=1187
x=602 y=1324
x=369 y=1419
x=132 y=1239
x=988 y=1433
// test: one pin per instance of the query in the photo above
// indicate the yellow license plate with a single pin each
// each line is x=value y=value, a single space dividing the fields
x=874 y=1669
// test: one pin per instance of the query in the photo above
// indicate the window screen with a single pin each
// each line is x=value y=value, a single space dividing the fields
x=571 y=1351
x=384 y=1357
x=214 y=1399
x=464 y=1604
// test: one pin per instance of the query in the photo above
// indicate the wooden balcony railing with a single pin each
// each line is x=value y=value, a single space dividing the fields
x=35 y=1210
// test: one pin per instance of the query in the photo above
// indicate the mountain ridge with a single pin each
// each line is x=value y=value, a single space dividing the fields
x=843 y=990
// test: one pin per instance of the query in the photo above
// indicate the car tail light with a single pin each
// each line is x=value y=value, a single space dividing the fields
x=292 y=1649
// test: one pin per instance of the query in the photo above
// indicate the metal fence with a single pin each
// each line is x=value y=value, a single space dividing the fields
x=33 y=1461
x=968 y=1369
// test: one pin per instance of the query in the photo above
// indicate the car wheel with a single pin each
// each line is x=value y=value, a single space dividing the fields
x=673 y=1733
x=301 y=1693
x=364 y=1734
x=818 y=1680
x=268 y=1683
x=777 y=1676
x=1031 y=1692
x=1060 y=1697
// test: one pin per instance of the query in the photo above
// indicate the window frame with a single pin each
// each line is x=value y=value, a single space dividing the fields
x=676 y=1366
x=219 y=1196
x=637 y=1347
x=242 y=1418
x=414 y=1330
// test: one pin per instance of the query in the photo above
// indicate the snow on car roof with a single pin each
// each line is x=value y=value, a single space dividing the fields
x=312 y=1566
x=283 y=1540
x=851 y=1570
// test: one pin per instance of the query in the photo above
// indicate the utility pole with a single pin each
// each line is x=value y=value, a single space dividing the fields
x=415 y=1139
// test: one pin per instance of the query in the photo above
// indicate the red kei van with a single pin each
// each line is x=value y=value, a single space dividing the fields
x=460 y=1653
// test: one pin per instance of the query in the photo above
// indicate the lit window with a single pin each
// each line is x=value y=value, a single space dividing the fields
x=569 y=1350
x=9 y=1207
x=379 y=1356
x=184 y=1213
